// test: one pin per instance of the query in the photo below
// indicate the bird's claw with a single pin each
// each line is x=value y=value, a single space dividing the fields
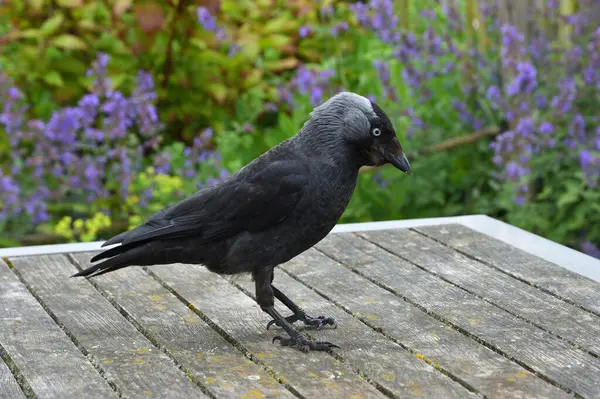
x=317 y=322
x=290 y=319
x=304 y=344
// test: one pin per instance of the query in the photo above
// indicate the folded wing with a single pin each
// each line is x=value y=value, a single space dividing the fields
x=254 y=201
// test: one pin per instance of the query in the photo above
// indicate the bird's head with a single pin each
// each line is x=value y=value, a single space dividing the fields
x=363 y=126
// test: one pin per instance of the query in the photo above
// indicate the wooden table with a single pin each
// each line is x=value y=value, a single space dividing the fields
x=426 y=308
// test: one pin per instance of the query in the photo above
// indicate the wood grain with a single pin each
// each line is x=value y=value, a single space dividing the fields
x=535 y=349
x=46 y=358
x=397 y=370
x=9 y=388
x=538 y=272
x=127 y=358
x=487 y=371
x=546 y=311
x=312 y=375
x=188 y=339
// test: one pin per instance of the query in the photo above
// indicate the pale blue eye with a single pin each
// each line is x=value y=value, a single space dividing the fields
x=376 y=132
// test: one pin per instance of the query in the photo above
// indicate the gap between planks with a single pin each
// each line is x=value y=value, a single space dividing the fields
x=78 y=365
x=48 y=279
x=227 y=299
x=380 y=385
x=141 y=329
x=582 y=295
x=412 y=327
x=12 y=383
x=77 y=259
x=352 y=260
x=20 y=378
x=565 y=321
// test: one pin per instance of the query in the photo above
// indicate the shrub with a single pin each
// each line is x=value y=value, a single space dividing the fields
x=440 y=80
x=196 y=92
x=89 y=158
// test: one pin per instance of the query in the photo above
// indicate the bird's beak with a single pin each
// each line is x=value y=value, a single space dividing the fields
x=400 y=162
x=394 y=155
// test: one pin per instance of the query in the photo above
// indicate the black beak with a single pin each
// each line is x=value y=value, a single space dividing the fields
x=393 y=154
x=399 y=162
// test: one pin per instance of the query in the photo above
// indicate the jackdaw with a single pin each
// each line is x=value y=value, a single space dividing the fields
x=274 y=208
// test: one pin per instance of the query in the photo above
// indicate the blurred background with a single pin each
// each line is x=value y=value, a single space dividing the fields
x=113 y=109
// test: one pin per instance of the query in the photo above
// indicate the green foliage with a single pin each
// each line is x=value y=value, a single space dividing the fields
x=227 y=80
x=200 y=75
x=442 y=184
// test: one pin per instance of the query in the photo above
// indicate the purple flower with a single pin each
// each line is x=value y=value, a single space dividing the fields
x=546 y=128
x=341 y=27
x=495 y=96
x=209 y=23
x=511 y=39
x=591 y=249
x=525 y=127
x=311 y=82
x=590 y=164
x=564 y=101
x=525 y=81
x=585 y=158
x=577 y=128
x=378 y=16
x=14 y=93
x=305 y=30
x=206 y=19
x=316 y=95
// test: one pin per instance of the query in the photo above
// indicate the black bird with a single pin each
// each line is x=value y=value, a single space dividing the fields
x=274 y=208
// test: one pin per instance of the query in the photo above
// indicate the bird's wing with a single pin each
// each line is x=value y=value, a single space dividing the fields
x=257 y=202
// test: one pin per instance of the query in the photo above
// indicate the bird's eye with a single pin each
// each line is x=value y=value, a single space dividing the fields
x=376 y=132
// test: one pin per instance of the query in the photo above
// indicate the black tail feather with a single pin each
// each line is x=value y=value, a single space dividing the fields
x=114 y=251
x=120 y=257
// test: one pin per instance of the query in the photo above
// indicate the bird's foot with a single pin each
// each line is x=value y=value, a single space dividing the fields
x=317 y=322
x=303 y=344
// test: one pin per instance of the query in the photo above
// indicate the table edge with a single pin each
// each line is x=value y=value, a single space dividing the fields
x=551 y=251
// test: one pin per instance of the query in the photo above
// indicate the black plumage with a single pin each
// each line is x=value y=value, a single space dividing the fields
x=271 y=210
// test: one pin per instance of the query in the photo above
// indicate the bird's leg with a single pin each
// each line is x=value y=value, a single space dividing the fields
x=299 y=313
x=265 y=298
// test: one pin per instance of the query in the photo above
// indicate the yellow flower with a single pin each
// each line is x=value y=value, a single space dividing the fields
x=78 y=224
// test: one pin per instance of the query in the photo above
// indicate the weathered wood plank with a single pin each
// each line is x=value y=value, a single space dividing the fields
x=538 y=272
x=9 y=388
x=533 y=348
x=189 y=339
x=46 y=358
x=487 y=371
x=312 y=375
x=128 y=358
x=376 y=357
x=546 y=311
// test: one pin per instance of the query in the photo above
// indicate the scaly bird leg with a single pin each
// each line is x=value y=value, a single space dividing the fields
x=318 y=322
x=265 y=298
x=295 y=338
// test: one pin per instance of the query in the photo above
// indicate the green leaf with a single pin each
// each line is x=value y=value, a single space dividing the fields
x=275 y=41
x=53 y=78
x=571 y=195
x=69 y=65
x=218 y=92
x=118 y=80
x=30 y=34
x=198 y=43
x=7 y=242
x=281 y=24
x=69 y=42
x=51 y=25
x=70 y=3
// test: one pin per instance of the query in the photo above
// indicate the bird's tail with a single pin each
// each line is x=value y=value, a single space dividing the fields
x=120 y=257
